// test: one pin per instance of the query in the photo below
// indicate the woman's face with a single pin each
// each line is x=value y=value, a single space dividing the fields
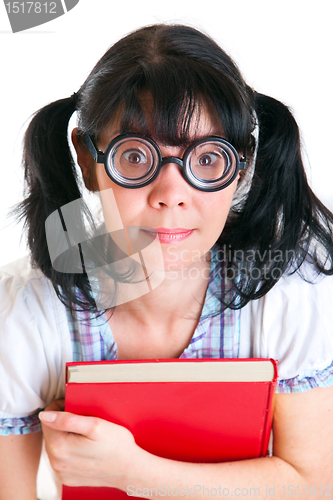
x=188 y=221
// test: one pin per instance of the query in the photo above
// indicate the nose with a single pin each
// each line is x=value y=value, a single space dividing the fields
x=170 y=189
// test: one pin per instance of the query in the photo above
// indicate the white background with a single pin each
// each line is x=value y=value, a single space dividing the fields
x=284 y=49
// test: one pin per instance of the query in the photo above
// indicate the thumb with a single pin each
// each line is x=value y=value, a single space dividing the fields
x=49 y=414
x=68 y=422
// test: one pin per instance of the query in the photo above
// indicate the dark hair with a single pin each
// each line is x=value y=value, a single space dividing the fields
x=181 y=67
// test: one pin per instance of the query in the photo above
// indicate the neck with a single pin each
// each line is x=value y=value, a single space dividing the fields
x=181 y=294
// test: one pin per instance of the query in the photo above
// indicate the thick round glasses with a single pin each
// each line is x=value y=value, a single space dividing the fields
x=133 y=161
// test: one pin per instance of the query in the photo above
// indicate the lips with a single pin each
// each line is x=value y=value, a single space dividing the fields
x=170 y=235
x=176 y=230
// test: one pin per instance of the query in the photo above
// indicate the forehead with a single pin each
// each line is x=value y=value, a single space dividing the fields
x=201 y=121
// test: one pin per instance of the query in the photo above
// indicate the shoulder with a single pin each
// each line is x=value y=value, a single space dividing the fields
x=302 y=301
x=34 y=338
x=304 y=296
x=24 y=290
x=20 y=274
x=293 y=324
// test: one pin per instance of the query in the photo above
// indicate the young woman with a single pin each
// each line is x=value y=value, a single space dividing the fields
x=170 y=136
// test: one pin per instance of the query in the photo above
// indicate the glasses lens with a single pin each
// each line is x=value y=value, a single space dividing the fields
x=132 y=160
x=212 y=162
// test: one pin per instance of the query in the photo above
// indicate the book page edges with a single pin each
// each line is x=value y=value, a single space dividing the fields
x=254 y=371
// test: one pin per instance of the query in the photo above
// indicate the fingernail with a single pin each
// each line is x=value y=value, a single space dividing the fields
x=47 y=416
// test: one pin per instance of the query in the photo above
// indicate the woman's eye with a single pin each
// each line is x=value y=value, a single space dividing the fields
x=207 y=159
x=135 y=157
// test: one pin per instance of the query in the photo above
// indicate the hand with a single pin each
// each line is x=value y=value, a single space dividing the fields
x=87 y=451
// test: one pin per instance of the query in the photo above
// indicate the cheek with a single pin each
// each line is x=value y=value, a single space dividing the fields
x=127 y=203
x=129 y=208
x=217 y=207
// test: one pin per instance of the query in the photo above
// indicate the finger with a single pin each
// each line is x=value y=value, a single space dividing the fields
x=69 y=422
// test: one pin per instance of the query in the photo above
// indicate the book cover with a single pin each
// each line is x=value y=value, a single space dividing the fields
x=202 y=410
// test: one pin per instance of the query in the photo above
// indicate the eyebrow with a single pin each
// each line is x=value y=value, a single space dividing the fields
x=183 y=143
x=187 y=142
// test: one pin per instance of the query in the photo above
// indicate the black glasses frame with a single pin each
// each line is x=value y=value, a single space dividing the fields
x=201 y=185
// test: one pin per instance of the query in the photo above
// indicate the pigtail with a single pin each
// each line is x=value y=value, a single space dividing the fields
x=51 y=182
x=282 y=222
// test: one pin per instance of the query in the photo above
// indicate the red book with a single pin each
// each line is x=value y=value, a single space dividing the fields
x=191 y=410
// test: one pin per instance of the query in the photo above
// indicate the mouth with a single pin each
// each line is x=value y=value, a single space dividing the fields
x=173 y=235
